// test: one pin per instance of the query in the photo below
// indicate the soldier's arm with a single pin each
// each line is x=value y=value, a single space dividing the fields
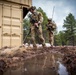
x=40 y=17
x=54 y=25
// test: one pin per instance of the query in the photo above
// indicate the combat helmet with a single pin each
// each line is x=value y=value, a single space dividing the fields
x=32 y=7
x=49 y=19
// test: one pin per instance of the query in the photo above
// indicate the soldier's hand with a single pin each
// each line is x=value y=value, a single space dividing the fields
x=39 y=22
x=36 y=24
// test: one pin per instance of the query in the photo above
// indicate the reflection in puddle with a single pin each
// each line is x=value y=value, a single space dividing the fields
x=62 y=69
x=45 y=64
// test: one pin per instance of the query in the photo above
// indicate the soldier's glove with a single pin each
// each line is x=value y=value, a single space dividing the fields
x=36 y=25
x=39 y=23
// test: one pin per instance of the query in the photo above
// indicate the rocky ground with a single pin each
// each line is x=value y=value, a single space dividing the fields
x=10 y=56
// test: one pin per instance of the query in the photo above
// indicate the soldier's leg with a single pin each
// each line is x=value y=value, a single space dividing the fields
x=41 y=36
x=51 y=38
x=33 y=36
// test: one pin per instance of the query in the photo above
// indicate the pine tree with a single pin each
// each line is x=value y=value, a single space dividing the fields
x=70 y=25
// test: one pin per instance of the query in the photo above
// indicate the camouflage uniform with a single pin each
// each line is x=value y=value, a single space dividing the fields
x=51 y=31
x=38 y=16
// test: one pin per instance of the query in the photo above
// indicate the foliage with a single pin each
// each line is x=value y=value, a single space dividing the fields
x=70 y=25
x=26 y=29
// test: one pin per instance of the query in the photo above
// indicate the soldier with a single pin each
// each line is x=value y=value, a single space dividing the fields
x=36 y=20
x=51 y=26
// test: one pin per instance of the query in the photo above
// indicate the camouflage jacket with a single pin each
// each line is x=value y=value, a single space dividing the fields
x=51 y=26
x=36 y=17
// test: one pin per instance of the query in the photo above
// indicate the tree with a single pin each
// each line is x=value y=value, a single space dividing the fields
x=63 y=39
x=70 y=25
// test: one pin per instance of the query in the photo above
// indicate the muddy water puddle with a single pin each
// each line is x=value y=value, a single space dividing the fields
x=45 y=64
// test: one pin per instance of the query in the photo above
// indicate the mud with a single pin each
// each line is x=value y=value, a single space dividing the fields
x=40 y=61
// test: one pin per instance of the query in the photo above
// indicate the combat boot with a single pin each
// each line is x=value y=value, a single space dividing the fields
x=51 y=46
x=34 y=46
x=44 y=45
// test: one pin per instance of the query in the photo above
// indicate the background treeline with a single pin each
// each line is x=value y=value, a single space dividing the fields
x=65 y=37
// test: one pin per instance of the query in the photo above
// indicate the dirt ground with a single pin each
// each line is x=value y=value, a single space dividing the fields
x=10 y=56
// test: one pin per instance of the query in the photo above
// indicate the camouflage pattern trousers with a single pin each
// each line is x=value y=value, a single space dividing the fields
x=51 y=38
x=38 y=31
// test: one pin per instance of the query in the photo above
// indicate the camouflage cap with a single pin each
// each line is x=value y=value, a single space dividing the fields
x=32 y=7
